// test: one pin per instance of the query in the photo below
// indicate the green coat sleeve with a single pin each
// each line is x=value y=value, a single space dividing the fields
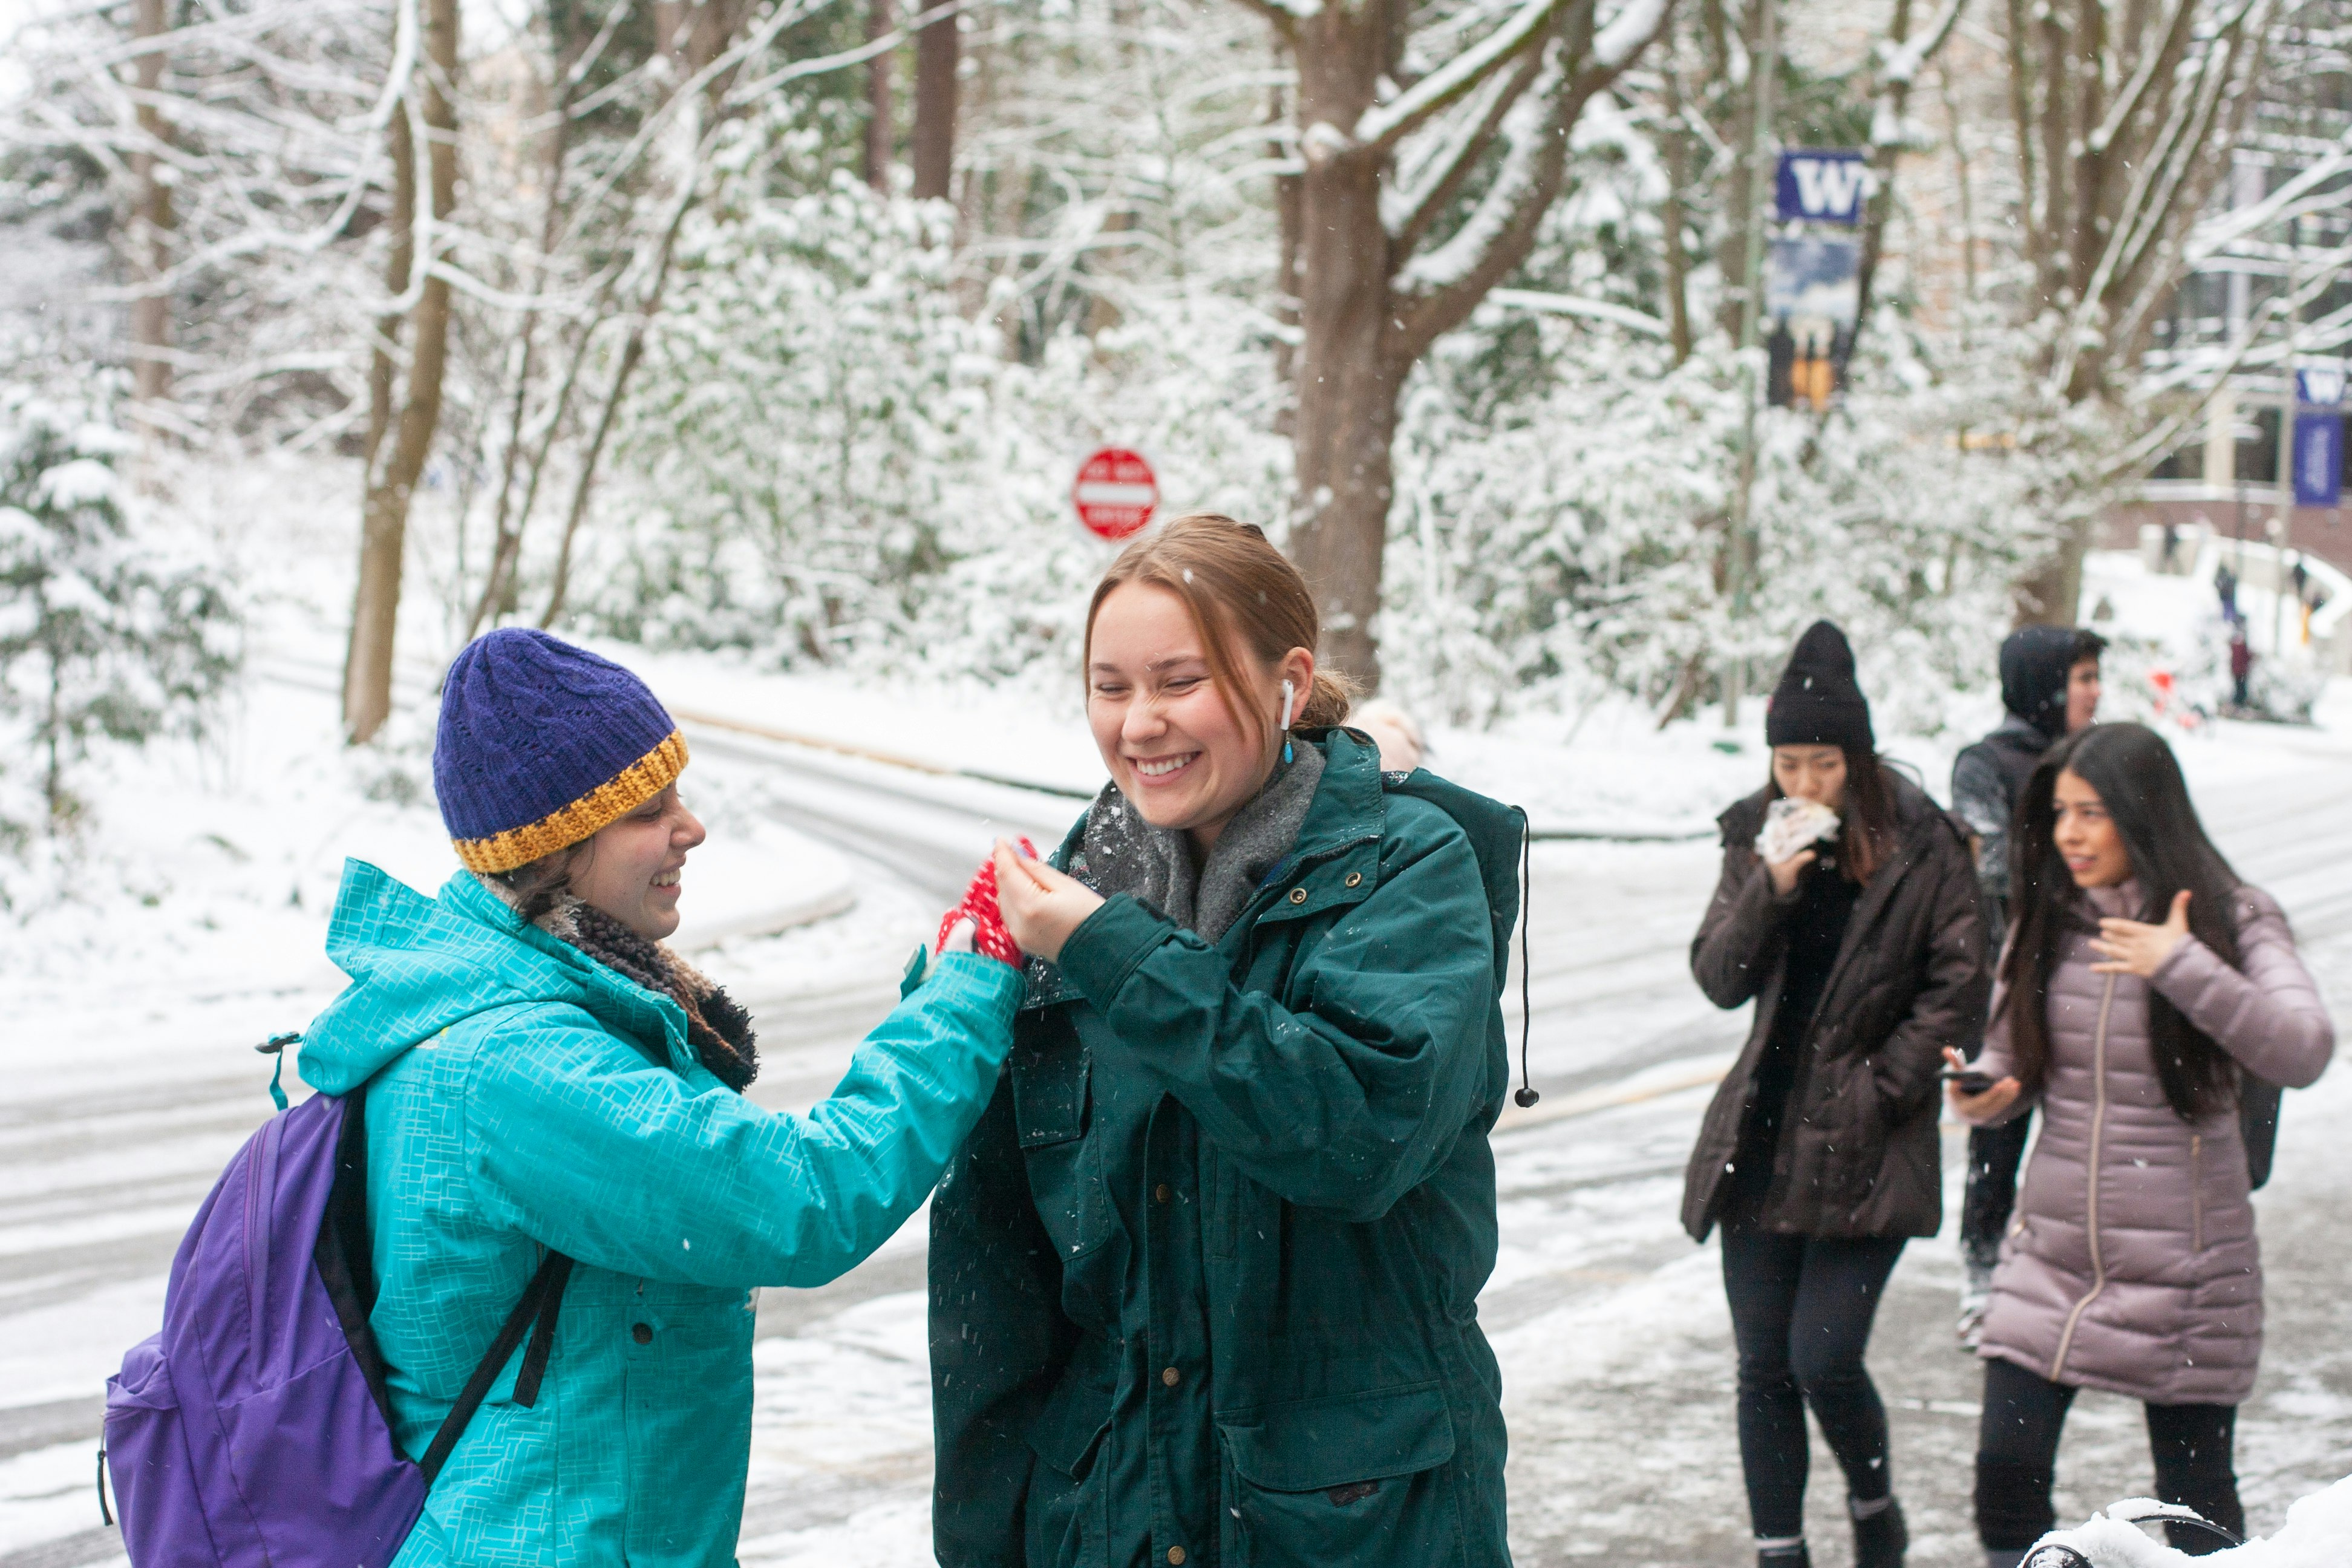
x=1352 y=1096
x=574 y=1139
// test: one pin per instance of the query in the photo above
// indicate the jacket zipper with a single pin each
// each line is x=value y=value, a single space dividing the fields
x=2098 y=1142
x=2197 y=1190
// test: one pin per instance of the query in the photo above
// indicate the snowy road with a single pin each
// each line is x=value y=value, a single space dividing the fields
x=1609 y=1323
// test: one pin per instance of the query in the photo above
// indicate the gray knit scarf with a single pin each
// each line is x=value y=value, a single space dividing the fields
x=1121 y=853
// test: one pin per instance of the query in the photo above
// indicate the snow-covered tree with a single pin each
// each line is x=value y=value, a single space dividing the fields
x=106 y=635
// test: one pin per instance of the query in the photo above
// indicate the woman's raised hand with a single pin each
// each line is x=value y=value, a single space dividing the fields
x=978 y=922
x=1042 y=907
x=1784 y=873
x=2135 y=947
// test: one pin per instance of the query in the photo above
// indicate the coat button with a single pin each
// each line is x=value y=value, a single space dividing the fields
x=642 y=1333
x=1171 y=1377
x=1161 y=1194
x=1355 y=878
x=1298 y=895
x=1175 y=1557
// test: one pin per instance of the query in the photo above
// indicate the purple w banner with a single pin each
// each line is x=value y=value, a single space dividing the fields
x=1823 y=186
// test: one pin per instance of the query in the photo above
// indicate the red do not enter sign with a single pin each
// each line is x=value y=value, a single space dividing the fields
x=1114 y=492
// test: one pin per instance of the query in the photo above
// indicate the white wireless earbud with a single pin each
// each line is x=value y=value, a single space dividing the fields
x=1290 y=696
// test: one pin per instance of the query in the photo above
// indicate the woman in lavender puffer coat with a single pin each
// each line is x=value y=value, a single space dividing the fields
x=2141 y=980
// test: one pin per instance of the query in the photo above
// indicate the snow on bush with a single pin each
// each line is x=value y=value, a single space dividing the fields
x=110 y=634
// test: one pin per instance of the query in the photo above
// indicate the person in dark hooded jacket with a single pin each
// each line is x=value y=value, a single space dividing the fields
x=1865 y=954
x=2050 y=686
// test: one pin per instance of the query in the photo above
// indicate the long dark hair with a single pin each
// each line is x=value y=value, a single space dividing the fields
x=1866 y=833
x=2138 y=781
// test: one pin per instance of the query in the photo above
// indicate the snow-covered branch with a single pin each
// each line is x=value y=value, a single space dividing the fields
x=1383 y=124
x=1545 y=304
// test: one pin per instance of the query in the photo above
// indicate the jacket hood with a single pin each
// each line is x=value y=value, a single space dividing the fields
x=420 y=965
x=2034 y=664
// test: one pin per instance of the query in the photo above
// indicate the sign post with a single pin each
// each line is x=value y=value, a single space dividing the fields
x=1114 y=493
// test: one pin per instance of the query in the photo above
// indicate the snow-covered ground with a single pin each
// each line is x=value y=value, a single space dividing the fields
x=196 y=932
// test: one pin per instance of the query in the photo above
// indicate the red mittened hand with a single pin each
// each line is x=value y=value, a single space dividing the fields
x=979 y=907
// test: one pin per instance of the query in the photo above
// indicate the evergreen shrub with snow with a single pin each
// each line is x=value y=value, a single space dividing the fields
x=109 y=635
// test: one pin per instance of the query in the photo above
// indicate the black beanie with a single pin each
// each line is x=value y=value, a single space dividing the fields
x=1818 y=701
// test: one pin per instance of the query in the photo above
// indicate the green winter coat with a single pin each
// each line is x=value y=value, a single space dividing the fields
x=1205 y=1281
x=522 y=1096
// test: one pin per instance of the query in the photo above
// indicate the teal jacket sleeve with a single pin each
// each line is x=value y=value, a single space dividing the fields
x=577 y=1142
x=1351 y=1095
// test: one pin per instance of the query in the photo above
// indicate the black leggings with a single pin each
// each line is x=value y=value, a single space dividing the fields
x=1800 y=1310
x=2017 y=1456
x=1994 y=1154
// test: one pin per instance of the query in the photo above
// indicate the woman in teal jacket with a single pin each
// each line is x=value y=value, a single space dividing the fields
x=543 y=1076
x=1205 y=1281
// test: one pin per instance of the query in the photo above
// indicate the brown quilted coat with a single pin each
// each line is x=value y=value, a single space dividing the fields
x=2131 y=1264
x=1858 y=1153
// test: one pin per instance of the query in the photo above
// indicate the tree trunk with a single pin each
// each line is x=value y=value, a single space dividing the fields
x=632 y=354
x=2052 y=593
x=152 y=220
x=506 y=548
x=1364 y=319
x=1348 y=364
x=1674 y=219
x=393 y=474
x=880 y=19
x=936 y=53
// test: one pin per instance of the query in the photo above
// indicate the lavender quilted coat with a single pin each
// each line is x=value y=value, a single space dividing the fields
x=2132 y=1265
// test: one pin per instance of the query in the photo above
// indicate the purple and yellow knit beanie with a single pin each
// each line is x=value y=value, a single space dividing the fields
x=540 y=744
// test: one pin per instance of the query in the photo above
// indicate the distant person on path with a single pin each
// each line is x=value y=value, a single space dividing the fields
x=1396 y=733
x=541 y=1076
x=2141 y=979
x=1205 y=1281
x=1865 y=954
x=2050 y=686
x=2241 y=666
x=2168 y=561
x=2225 y=588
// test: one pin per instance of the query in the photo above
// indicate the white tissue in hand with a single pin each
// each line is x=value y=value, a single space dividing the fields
x=1791 y=824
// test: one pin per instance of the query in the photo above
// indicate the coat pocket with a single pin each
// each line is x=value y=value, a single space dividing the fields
x=1362 y=1478
x=1050 y=1107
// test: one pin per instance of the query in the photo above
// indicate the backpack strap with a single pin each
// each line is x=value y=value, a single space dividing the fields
x=534 y=1314
x=1502 y=840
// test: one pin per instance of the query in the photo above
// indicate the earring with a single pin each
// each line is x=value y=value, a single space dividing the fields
x=1290 y=696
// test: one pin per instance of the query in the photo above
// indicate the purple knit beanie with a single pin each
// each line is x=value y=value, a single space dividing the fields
x=540 y=744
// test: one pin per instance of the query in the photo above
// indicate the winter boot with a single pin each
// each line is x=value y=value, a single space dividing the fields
x=1879 y=1536
x=1785 y=1552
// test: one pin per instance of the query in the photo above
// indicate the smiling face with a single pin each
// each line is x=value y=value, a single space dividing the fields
x=631 y=869
x=1168 y=736
x=2086 y=836
x=1811 y=772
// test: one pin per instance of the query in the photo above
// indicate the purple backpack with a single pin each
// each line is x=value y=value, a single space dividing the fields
x=255 y=1428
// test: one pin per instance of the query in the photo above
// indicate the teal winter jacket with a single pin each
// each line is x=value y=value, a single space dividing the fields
x=1205 y=1281
x=522 y=1097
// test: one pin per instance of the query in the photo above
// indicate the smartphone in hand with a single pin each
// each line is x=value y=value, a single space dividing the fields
x=1968 y=1081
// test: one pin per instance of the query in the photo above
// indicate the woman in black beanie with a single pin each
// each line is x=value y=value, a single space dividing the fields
x=1847 y=911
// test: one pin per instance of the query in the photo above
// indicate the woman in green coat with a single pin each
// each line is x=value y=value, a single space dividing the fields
x=1205 y=1281
x=543 y=1076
